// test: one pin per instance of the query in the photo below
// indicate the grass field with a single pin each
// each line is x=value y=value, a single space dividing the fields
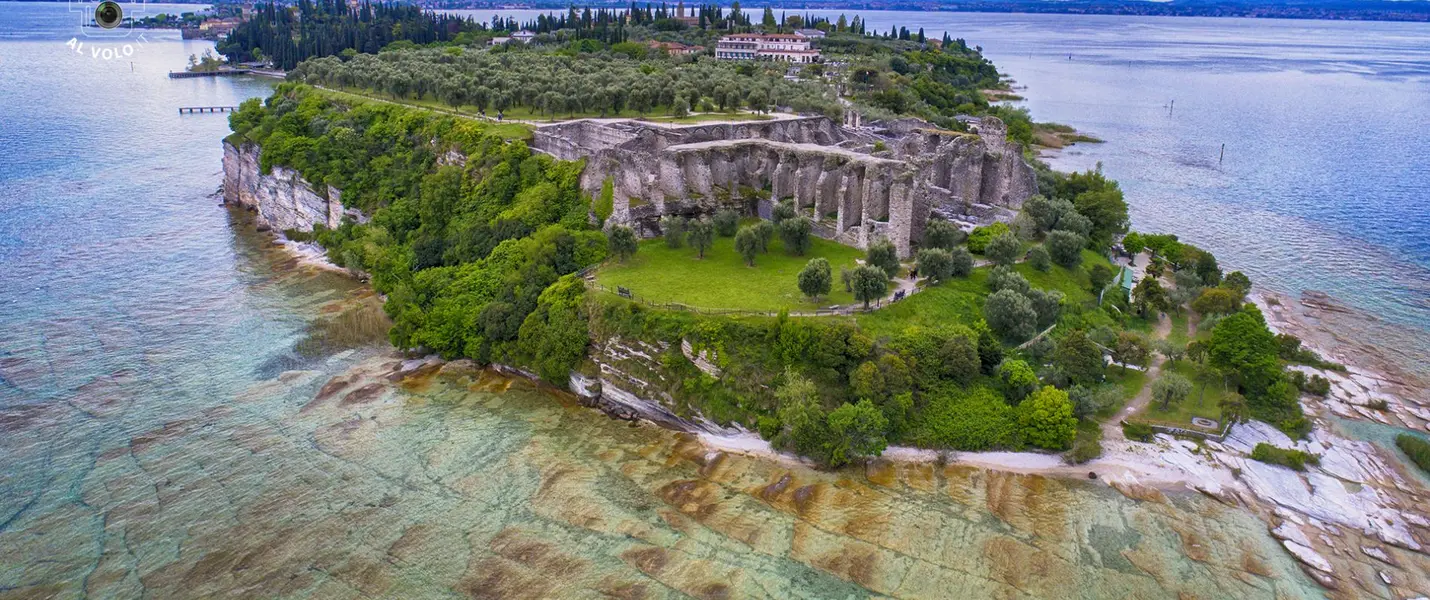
x=508 y=131
x=1204 y=401
x=961 y=300
x=721 y=280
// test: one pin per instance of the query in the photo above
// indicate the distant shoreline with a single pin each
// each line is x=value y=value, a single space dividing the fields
x=1406 y=11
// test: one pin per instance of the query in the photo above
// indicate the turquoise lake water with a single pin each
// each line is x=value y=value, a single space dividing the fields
x=160 y=436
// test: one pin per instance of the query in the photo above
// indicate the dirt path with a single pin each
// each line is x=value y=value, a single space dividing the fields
x=1112 y=428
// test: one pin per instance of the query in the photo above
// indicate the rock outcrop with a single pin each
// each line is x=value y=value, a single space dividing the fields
x=282 y=199
x=859 y=185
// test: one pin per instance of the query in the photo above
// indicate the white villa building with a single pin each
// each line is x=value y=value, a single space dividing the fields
x=785 y=47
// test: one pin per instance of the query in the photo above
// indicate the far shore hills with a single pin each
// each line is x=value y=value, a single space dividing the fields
x=1337 y=10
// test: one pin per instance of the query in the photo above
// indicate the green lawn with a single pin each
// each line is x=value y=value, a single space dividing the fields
x=1178 y=335
x=961 y=300
x=508 y=131
x=1205 y=400
x=953 y=301
x=1131 y=381
x=721 y=280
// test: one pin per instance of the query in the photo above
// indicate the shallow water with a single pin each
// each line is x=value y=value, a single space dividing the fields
x=159 y=433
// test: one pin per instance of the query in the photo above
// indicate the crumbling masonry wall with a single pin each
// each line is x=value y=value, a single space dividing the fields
x=832 y=173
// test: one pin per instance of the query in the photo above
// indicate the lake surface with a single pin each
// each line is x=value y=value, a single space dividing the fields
x=162 y=435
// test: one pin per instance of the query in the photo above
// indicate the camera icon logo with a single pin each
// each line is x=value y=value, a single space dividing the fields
x=107 y=18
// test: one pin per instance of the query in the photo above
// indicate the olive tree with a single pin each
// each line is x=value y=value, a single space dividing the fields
x=674 y=228
x=795 y=233
x=727 y=222
x=1066 y=248
x=701 y=235
x=935 y=264
x=942 y=234
x=962 y=262
x=816 y=278
x=885 y=256
x=1010 y=315
x=747 y=243
x=1003 y=250
x=622 y=242
x=869 y=283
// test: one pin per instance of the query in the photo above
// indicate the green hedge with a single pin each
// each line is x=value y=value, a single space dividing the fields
x=1294 y=459
x=1416 y=448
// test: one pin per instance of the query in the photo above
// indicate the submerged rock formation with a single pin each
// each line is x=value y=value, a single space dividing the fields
x=859 y=185
x=282 y=199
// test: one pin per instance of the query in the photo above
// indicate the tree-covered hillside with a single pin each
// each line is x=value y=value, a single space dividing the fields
x=287 y=35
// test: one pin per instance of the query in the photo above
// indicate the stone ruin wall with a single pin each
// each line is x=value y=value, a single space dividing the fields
x=855 y=195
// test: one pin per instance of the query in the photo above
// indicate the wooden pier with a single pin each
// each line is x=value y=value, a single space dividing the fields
x=218 y=73
x=193 y=110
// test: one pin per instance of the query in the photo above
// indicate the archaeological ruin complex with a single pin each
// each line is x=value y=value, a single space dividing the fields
x=858 y=184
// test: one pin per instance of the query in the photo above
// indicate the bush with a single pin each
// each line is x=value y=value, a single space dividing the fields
x=971 y=420
x=674 y=229
x=782 y=211
x=935 y=264
x=962 y=262
x=621 y=241
x=1086 y=447
x=1003 y=250
x=727 y=223
x=765 y=231
x=795 y=233
x=1005 y=278
x=981 y=236
x=1065 y=248
x=1140 y=432
x=1416 y=448
x=942 y=234
x=885 y=256
x=1293 y=459
x=1039 y=259
x=1046 y=419
x=1011 y=315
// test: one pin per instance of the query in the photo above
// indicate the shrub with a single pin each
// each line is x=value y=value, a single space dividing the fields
x=1140 y=432
x=981 y=236
x=962 y=262
x=1065 y=248
x=935 y=264
x=885 y=256
x=1011 y=315
x=795 y=233
x=1039 y=259
x=1003 y=249
x=1293 y=459
x=622 y=242
x=674 y=229
x=765 y=231
x=782 y=211
x=1086 y=447
x=969 y=420
x=727 y=222
x=1046 y=419
x=1005 y=278
x=942 y=234
x=1416 y=448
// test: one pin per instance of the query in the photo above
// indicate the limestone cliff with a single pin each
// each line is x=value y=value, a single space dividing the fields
x=282 y=199
x=859 y=185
